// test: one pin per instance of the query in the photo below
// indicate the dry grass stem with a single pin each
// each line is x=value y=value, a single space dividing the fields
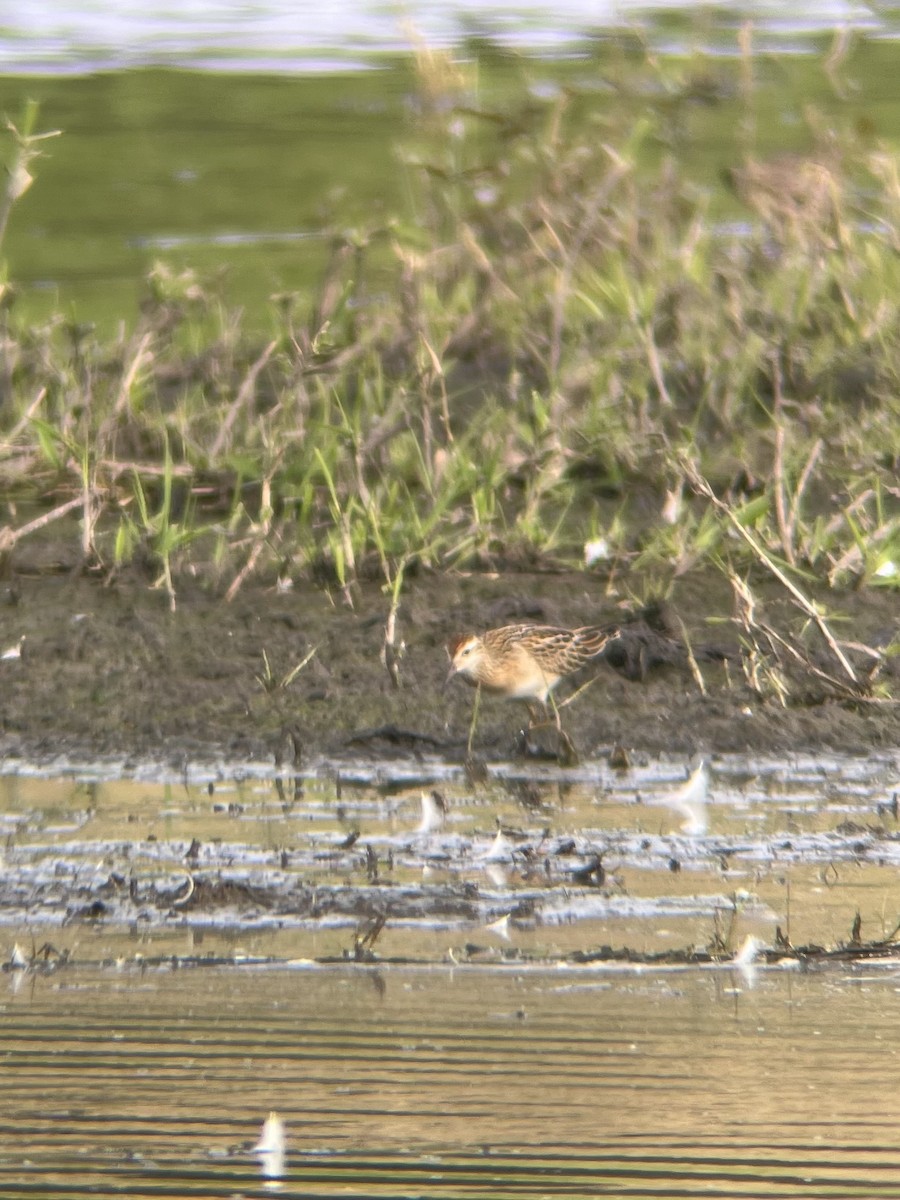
x=243 y=398
x=703 y=487
x=9 y=537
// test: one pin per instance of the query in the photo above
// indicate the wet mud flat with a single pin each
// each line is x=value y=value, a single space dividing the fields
x=172 y=780
x=94 y=670
x=745 y=862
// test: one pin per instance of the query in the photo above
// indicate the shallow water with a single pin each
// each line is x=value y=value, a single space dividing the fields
x=60 y=35
x=235 y=144
x=530 y=863
x=452 y=1081
x=495 y=1064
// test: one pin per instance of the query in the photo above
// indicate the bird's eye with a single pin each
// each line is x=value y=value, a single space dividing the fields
x=466 y=650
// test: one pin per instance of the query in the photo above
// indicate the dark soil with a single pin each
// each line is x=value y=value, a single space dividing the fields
x=107 y=670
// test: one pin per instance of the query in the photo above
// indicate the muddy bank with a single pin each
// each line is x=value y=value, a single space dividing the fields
x=750 y=861
x=106 y=669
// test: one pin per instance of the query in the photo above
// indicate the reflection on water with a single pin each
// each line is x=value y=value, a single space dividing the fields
x=50 y=34
x=504 y=1067
x=237 y=141
x=530 y=864
x=448 y=1082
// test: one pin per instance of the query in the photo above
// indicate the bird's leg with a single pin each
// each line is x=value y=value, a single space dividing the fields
x=475 y=708
x=566 y=752
x=549 y=706
x=537 y=714
x=565 y=747
x=539 y=717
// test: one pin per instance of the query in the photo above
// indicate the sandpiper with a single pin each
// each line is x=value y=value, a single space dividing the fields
x=525 y=662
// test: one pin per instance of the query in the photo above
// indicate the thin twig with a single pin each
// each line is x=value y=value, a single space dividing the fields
x=804 y=660
x=656 y=369
x=781 y=518
x=704 y=488
x=244 y=394
x=246 y=570
x=804 y=479
x=131 y=374
x=692 y=661
x=114 y=467
x=8 y=446
x=391 y=652
x=574 y=696
x=9 y=536
x=264 y=527
x=438 y=374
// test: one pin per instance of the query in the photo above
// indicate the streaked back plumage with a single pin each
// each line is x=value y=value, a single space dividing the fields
x=525 y=662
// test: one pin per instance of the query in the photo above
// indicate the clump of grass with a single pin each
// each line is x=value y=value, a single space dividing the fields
x=26 y=149
x=567 y=339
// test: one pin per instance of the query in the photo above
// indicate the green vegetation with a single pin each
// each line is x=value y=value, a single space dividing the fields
x=565 y=339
